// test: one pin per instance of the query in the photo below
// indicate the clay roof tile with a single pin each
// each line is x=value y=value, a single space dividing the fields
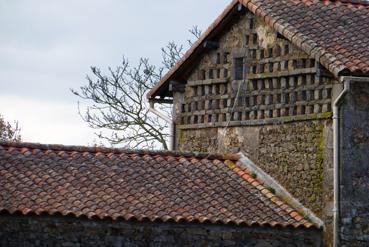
x=141 y=185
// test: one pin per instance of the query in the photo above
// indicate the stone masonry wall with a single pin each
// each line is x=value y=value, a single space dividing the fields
x=254 y=75
x=42 y=231
x=354 y=166
x=297 y=154
x=275 y=103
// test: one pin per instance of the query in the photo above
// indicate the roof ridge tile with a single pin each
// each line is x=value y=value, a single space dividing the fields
x=55 y=148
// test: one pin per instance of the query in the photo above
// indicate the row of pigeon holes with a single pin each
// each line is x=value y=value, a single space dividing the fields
x=258 y=66
x=256 y=114
x=260 y=99
x=284 y=82
x=265 y=98
x=276 y=66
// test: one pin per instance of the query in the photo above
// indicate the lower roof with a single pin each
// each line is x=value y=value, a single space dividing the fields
x=136 y=185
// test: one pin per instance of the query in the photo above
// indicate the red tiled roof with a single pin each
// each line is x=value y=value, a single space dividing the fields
x=336 y=33
x=136 y=185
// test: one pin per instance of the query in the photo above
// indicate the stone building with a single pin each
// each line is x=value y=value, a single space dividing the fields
x=281 y=84
x=285 y=82
x=77 y=196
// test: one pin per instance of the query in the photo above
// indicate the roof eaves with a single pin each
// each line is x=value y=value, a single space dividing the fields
x=299 y=39
x=169 y=75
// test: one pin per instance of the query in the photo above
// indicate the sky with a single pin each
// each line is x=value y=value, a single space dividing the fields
x=48 y=46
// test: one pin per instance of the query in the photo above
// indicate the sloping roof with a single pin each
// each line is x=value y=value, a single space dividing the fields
x=336 y=33
x=136 y=185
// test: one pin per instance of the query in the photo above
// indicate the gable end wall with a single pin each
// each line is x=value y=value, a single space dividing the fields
x=280 y=114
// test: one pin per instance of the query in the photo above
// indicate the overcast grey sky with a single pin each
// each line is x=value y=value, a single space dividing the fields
x=47 y=47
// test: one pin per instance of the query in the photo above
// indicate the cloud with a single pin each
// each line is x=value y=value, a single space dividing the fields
x=46 y=122
x=47 y=47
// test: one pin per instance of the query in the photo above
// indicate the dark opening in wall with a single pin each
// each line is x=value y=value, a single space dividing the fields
x=211 y=74
x=303 y=95
x=255 y=38
x=279 y=98
x=225 y=73
x=261 y=53
x=303 y=63
x=210 y=118
x=279 y=66
x=280 y=36
x=270 y=52
x=202 y=74
x=276 y=83
x=277 y=51
x=247 y=39
x=251 y=24
x=238 y=68
x=312 y=63
x=303 y=79
x=254 y=84
x=226 y=57
x=262 y=68
x=303 y=110
x=254 y=69
x=218 y=58
x=271 y=67
x=329 y=93
x=295 y=81
x=218 y=73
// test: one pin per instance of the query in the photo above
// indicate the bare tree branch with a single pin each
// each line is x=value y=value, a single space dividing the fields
x=196 y=33
x=9 y=132
x=117 y=103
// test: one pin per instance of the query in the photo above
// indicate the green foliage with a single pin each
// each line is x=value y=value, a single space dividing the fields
x=254 y=175
x=271 y=189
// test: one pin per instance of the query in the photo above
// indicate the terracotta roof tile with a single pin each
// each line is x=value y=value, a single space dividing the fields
x=340 y=30
x=335 y=32
x=123 y=184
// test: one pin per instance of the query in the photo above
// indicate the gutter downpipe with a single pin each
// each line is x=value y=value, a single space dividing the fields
x=163 y=116
x=336 y=159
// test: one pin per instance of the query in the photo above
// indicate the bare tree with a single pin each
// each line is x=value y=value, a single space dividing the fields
x=118 y=103
x=196 y=32
x=9 y=132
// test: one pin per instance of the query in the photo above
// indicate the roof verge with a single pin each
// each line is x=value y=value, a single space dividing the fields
x=280 y=191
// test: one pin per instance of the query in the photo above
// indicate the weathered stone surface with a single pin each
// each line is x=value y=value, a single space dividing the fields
x=56 y=231
x=255 y=74
x=279 y=114
x=298 y=155
x=354 y=166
